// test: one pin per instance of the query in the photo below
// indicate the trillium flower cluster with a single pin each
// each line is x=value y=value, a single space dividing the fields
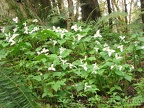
x=110 y=51
x=27 y=31
x=65 y=62
x=120 y=67
x=11 y=38
x=59 y=30
x=44 y=51
x=76 y=28
x=52 y=67
x=95 y=68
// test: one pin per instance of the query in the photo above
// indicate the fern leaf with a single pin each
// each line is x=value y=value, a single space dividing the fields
x=11 y=94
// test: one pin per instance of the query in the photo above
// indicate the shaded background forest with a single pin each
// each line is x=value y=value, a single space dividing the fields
x=64 y=12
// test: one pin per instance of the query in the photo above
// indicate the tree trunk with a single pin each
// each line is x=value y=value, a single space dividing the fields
x=77 y=10
x=126 y=20
x=71 y=14
x=109 y=11
x=142 y=9
x=90 y=10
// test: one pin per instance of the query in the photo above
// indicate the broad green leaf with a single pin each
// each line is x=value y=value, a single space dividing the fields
x=58 y=74
x=46 y=76
x=120 y=73
x=61 y=41
x=112 y=89
x=79 y=87
x=52 y=56
x=66 y=53
x=141 y=39
x=3 y=54
x=92 y=58
x=118 y=87
x=87 y=39
x=117 y=97
x=38 y=78
x=58 y=84
x=127 y=77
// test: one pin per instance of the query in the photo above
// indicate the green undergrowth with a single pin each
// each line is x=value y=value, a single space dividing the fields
x=83 y=67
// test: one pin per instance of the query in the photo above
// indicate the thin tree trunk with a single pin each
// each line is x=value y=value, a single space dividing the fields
x=71 y=14
x=142 y=9
x=77 y=10
x=109 y=11
x=126 y=20
x=130 y=11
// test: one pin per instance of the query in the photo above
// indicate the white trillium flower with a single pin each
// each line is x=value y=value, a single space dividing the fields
x=86 y=86
x=112 y=66
x=71 y=65
x=131 y=67
x=122 y=37
x=7 y=36
x=142 y=47
x=35 y=20
x=12 y=41
x=106 y=49
x=120 y=67
x=25 y=24
x=55 y=42
x=44 y=50
x=15 y=19
x=84 y=66
x=38 y=53
x=97 y=34
x=26 y=30
x=117 y=57
x=14 y=35
x=136 y=43
x=62 y=50
x=63 y=61
x=36 y=28
x=121 y=48
x=96 y=49
x=2 y=29
x=105 y=45
x=95 y=67
x=97 y=42
x=79 y=37
x=76 y=28
x=52 y=67
x=15 y=29
x=110 y=52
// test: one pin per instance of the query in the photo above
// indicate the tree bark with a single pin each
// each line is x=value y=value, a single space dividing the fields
x=109 y=11
x=126 y=20
x=71 y=14
x=142 y=10
x=77 y=10
x=90 y=10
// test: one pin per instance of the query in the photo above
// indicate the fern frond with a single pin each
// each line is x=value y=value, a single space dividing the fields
x=11 y=93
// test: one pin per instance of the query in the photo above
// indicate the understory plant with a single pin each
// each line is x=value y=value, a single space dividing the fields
x=81 y=67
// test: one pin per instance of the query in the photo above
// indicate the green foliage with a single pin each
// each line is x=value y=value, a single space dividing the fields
x=12 y=93
x=82 y=67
